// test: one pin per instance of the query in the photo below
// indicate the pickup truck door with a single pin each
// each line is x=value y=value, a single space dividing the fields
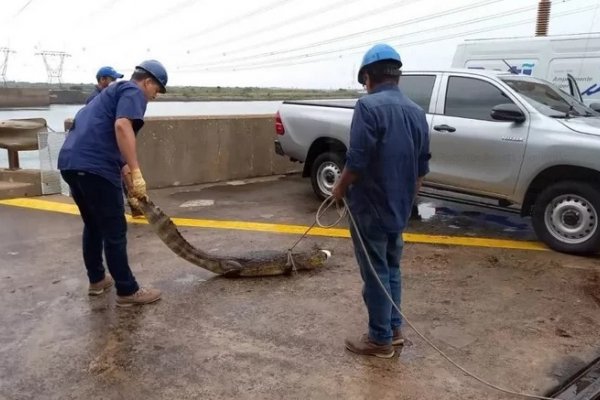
x=422 y=88
x=472 y=152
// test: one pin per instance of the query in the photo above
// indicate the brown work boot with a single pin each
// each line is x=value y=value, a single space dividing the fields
x=96 y=289
x=364 y=346
x=142 y=296
x=398 y=338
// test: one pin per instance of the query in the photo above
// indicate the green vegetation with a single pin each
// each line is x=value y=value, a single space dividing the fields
x=216 y=93
x=251 y=93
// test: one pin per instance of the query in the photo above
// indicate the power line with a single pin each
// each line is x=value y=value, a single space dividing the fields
x=109 y=4
x=361 y=33
x=236 y=19
x=22 y=8
x=403 y=35
x=318 y=57
x=327 y=26
x=280 y=23
x=160 y=16
x=170 y=12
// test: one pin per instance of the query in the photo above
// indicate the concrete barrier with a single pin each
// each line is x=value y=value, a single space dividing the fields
x=24 y=97
x=177 y=151
x=190 y=150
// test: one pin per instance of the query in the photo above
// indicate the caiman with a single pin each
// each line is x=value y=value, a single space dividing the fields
x=253 y=264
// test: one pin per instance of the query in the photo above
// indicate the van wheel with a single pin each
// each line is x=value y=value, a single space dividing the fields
x=325 y=171
x=565 y=217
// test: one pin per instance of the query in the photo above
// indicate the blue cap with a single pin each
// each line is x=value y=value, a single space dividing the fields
x=108 y=71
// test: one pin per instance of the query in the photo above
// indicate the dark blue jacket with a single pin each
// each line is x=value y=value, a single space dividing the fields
x=95 y=93
x=389 y=150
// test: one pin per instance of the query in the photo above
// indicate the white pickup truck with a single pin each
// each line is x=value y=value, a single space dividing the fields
x=516 y=139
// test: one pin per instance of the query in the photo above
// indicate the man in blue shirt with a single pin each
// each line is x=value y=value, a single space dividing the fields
x=100 y=143
x=105 y=76
x=386 y=161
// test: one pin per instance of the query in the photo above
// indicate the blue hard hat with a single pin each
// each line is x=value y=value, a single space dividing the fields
x=108 y=71
x=157 y=71
x=379 y=52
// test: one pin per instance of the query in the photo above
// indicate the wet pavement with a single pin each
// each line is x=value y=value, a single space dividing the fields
x=522 y=319
x=266 y=202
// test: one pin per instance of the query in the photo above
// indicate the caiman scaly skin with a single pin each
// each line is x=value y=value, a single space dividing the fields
x=254 y=264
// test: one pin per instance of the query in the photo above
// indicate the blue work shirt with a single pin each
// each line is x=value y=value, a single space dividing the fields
x=389 y=151
x=95 y=93
x=91 y=145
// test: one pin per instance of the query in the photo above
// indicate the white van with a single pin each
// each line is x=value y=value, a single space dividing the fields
x=552 y=58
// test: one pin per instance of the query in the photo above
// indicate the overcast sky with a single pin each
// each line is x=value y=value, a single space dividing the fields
x=283 y=43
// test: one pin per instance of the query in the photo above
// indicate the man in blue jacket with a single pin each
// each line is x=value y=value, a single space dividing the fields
x=105 y=76
x=386 y=161
x=100 y=143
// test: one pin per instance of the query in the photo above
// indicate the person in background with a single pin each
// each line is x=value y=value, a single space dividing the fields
x=105 y=76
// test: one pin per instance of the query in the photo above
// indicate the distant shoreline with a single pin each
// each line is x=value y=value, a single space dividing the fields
x=77 y=94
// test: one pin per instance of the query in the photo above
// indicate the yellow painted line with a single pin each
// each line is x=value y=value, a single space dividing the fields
x=67 y=208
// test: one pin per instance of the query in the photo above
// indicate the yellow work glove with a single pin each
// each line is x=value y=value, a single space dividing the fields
x=138 y=184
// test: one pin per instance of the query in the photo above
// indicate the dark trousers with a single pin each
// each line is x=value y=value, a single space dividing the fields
x=101 y=207
x=384 y=250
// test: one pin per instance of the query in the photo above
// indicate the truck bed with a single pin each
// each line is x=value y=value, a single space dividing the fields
x=338 y=103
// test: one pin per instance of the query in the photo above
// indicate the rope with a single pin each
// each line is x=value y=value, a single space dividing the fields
x=342 y=210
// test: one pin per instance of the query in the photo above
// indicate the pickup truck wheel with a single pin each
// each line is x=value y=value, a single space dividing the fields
x=326 y=169
x=565 y=217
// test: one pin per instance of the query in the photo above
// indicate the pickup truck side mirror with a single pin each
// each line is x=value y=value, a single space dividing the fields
x=508 y=112
x=595 y=107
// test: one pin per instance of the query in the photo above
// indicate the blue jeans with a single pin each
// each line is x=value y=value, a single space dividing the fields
x=384 y=249
x=101 y=207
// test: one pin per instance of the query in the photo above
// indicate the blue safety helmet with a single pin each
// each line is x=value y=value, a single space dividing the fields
x=108 y=71
x=379 y=52
x=157 y=71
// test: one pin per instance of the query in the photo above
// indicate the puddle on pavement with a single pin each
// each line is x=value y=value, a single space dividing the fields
x=455 y=217
x=190 y=278
x=198 y=203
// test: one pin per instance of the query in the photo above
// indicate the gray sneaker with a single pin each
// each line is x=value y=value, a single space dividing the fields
x=398 y=338
x=96 y=289
x=141 y=297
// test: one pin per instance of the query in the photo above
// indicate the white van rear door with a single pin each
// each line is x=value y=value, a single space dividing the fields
x=574 y=88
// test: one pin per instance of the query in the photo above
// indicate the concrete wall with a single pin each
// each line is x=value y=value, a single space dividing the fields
x=190 y=150
x=68 y=96
x=25 y=97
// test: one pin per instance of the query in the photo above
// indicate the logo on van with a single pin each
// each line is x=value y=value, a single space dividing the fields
x=526 y=69
x=592 y=90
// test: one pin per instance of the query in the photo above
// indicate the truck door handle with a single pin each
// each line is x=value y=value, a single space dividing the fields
x=442 y=128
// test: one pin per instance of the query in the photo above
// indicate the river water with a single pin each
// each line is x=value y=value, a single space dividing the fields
x=56 y=114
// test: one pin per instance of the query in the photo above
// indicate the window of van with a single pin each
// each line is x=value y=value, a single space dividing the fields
x=418 y=88
x=549 y=99
x=472 y=98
